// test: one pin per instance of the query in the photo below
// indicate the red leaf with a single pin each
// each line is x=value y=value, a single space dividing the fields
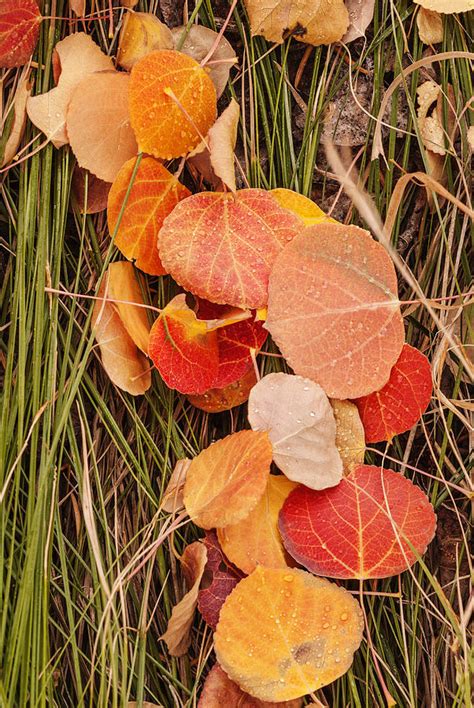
x=219 y=579
x=402 y=401
x=363 y=528
x=19 y=30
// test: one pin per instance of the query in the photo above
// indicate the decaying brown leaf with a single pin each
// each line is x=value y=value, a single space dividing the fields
x=177 y=635
x=89 y=192
x=78 y=7
x=361 y=13
x=173 y=496
x=18 y=120
x=141 y=33
x=430 y=26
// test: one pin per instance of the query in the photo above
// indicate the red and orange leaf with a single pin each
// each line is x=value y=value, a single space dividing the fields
x=219 y=691
x=256 y=540
x=227 y=479
x=298 y=204
x=172 y=103
x=154 y=194
x=217 y=400
x=333 y=309
x=374 y=524
x=183 y=350
x=222 y=246
x=218 y=581
x=19 y=30
x=402 y=401
x=283 y=633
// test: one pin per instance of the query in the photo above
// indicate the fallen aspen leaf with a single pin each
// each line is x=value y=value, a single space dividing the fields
x=301 y=426
x=197 y=43
x=227 y=479
x=222 y=246
x=361 y=13
x=14 y=125
x=307 y=210
x=141 y=33
x=19 y=29
x=218 y=581
x=431 y=126
x=172 y=103
x=402 y=401
x=124 y=364
x=333 y=309
x=256 y=539
x=77 y=57
x=135 y=227
x=283 y=633
x=178 y=632
x=125 y=289
x=447 y=7
x=219 y=690
x=217 y=400
x=221 y=140
x=173 y=496
x=316 y=23
x=350 y=435
x=374 y=524
x=183 y=350
x=430 y=26
x=98 y=124
x=78 y=7
x=89 y=192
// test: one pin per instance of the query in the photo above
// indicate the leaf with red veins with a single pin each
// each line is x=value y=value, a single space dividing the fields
x=19 y=29
x=219 y=579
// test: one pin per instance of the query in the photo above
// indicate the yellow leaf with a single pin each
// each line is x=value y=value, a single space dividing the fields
x=350 y=436
x=447 y=7
x=300 y=205
x=141 y=34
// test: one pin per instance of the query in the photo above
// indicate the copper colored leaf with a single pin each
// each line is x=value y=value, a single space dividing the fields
x=124 y=290
x=19 y=30
x=183 y=350
x=90 y=193
x=15 y=121
x=447 y=7
x=78 y=7
x=141 y=33
x=173 y=495
x=98 y=124
x=402 y=401
x=256 y=539
x=300 y=423
x=197 y=43
x=76 y=57
x=333 y=309
x=227 y=479
x=222 y=246
x=172 y=103
x=321 y=22
x=283 y=633
x=125 y=365
x=217 y=400
x=374 y=524
x=350 y=435
x=219 y=579
x=219 y=691
x=361 y=13
x=305 y=208
x=153 y=195
x=178 y=632
x=430 y=26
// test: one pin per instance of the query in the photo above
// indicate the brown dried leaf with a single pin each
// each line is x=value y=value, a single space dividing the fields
x=173 y=496
x=97 y=191
x=361 y=13
x=78 y=7
x=18 y=109
x=141 y=33
x=430 y=26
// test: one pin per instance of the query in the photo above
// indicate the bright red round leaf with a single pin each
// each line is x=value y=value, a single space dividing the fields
x=402 y=401
x=19 y=30
x=366 y=527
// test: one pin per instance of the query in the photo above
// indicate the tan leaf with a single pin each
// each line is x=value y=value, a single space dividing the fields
x=178 y=633
x=145 y=704
x=197 y=44
x=98 y=124
x=350 y=437
x=320 y=22
x=79 y=57
x=173 y=496
x=220 y=691
x=141 y=33
x=447 y=7
x=78 y=7
x=300 y=423
x=124 y=288
x=18 y=108
x=470 y=137
x=430 y=26
x=124 y=364
x=361 y=13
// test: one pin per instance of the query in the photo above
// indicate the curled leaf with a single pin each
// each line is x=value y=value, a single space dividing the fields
x=221 y=140
x=19 y=30
x=124 y=290
x=173 y=496
x=217 y=400
x=300 y=423
x=219 y=690
x=218 y=581
x=361 y=13
x=227 y=479
x=141 y=33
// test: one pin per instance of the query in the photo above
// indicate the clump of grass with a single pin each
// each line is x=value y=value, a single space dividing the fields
x=88 y=574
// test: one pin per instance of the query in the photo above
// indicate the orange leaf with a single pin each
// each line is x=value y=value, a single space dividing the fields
x=159 y=81
x=154 y=194
x=350 y=436
x=333 y=309
x=256 y=539
x=123 y=290
x=222 y=246
x=283 y=633
x=305 y=208
x=19 y=30
x=227 y=479
x=98 y=124
x=141 y=34
x=219 y=691
x=125 y=365
x=217 y=400
x=183 y=350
